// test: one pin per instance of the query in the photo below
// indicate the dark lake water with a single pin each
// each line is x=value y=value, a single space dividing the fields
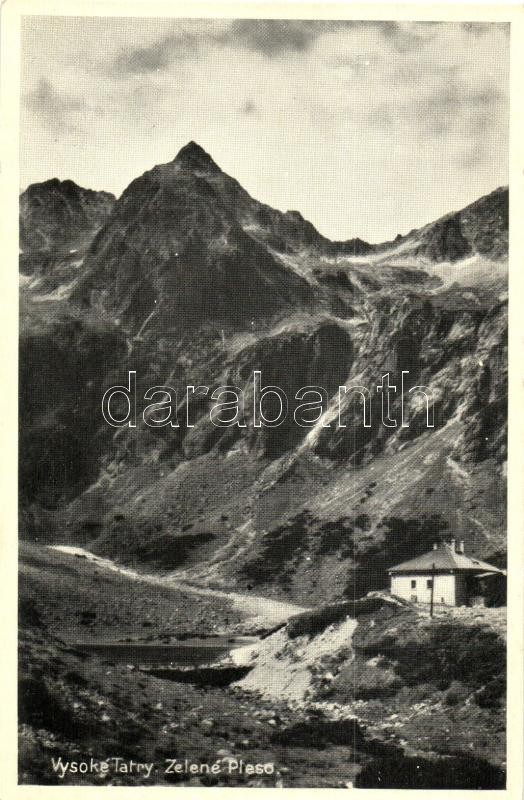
x=188 y=652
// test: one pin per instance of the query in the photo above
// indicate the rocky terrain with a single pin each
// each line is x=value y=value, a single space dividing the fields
x=187 y=280
x=318 y=713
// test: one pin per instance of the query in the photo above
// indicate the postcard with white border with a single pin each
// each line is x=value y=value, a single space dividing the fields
x=262 y=474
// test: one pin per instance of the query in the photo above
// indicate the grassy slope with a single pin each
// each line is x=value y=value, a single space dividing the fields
x=77 y=599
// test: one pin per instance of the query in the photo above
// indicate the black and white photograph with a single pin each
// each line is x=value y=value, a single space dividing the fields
x=263 y=401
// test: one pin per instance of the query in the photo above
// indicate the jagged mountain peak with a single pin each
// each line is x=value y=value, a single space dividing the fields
x=178 y=243
x=51 y=183
x=65 y=187
x=193 y=157
x=57 y=214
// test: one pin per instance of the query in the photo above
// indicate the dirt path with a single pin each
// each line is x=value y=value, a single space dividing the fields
x=260 y=611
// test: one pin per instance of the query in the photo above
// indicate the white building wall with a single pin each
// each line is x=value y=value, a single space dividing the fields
x=401 y=586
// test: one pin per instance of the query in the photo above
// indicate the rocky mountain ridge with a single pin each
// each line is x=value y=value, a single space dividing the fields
x=480 y=228
x=57 y=214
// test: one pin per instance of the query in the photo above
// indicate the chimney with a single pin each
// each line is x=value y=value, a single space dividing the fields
x=460 y=548
x=435 y=545
x=452 y=545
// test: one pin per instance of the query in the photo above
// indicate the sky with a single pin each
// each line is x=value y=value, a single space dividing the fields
x=368 y=129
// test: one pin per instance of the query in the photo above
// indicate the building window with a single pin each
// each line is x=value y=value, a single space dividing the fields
x=430 y=583
x=413 y=584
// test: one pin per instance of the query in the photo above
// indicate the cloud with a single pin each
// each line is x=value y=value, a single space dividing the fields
x=450 y=113
x=453 y=103
x=248 y=107
x=156 y=56
x=270 y=38
x=54 y=106
x=478 y=29
x=407 y=37
x=273 y=37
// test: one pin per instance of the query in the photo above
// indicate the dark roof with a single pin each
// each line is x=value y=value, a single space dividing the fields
x=445 y=557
